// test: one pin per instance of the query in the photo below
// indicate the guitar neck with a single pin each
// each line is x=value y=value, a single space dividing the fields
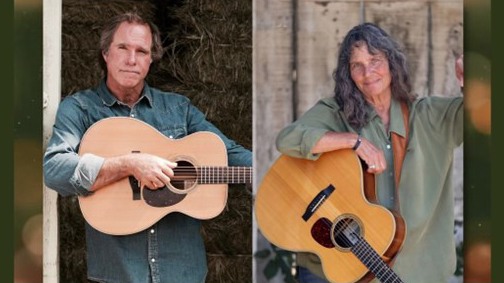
x=370 y=258
x=224 y=175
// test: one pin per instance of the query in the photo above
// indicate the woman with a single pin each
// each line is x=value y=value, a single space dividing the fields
x=405 y=141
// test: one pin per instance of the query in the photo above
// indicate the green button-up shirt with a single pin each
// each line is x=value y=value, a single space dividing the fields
x=425 y=189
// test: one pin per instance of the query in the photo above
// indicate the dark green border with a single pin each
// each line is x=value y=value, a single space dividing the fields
x=480 y=202
x=497 y=141
x=6 y=141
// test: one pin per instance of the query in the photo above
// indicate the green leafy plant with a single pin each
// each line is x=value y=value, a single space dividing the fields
x=279 y=260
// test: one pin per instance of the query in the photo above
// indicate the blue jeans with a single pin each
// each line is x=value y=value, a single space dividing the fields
x=306 y=276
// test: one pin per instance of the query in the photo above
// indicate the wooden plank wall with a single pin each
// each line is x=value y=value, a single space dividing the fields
x=302 y=37
x=272 y=89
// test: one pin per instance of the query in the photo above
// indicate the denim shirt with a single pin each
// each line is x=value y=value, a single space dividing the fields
x=172 y=250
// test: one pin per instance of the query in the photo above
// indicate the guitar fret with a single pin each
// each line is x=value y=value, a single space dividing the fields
x=207 y=173
x=224 y=175
x=232 y=175
x=202 y=175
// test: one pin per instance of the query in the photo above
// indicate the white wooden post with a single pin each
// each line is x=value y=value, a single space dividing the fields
x=51 y=96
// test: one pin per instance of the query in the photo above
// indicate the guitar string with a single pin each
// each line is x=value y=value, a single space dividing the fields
x=216 y=174
x=209 y=172
x=367 y=252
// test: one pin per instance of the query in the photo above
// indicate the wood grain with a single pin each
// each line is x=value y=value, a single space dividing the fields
x=290 y=186
x=111 y=209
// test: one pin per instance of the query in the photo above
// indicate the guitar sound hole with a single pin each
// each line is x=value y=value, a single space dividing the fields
x=185 y=176
x=346 y=232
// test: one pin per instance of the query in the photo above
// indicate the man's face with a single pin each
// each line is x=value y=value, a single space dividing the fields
x=129 y=56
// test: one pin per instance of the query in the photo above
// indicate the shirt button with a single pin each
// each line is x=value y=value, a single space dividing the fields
x=153 y=260
x=388 y=146
x=152 y=231
x=132 y=115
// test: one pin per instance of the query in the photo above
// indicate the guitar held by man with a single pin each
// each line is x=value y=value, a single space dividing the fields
x=198 y=187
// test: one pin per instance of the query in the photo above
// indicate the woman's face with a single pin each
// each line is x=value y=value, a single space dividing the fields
x=370 y=72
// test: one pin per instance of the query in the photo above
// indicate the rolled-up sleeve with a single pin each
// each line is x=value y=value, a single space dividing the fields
x=64 y=170
x=299 y=138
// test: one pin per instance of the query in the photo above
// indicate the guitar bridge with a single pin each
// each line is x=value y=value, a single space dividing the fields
x=317 y=202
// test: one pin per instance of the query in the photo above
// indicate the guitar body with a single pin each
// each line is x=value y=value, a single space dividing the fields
x=291 y=215
x=113 y=209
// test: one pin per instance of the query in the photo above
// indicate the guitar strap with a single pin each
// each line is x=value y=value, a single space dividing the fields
x=399 y=144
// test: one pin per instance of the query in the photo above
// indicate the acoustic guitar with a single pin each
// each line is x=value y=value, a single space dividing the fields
x=198 y=189
x=326 y=207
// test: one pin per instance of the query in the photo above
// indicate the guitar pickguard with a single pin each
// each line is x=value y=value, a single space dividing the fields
x=162 y=197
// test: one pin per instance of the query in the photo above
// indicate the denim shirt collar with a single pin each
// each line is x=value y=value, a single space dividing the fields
x=109 y=99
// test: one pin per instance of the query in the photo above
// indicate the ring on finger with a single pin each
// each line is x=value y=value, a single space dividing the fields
x=372 y=166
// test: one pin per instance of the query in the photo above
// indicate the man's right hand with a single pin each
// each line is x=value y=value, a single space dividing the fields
x=151 y=171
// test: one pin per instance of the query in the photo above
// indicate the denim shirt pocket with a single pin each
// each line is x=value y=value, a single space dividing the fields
x=174 y=131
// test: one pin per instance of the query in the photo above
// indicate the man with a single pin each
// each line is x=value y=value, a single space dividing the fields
x=171 y=250
x=366 y=114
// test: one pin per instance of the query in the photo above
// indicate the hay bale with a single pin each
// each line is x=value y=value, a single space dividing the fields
x=96 y=12
x=231 y=232
x=228 y=239
x=72 y=241
x=209 y=59
x=80 y=70
x=229 y=269
x=217 y=54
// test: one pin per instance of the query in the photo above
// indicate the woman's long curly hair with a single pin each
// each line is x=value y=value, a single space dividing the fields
x=346 y=93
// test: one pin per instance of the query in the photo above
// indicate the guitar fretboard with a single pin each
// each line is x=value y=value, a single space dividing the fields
x=224 y=175
x=370 y=258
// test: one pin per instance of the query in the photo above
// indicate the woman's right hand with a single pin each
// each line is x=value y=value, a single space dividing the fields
x=372 y=156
